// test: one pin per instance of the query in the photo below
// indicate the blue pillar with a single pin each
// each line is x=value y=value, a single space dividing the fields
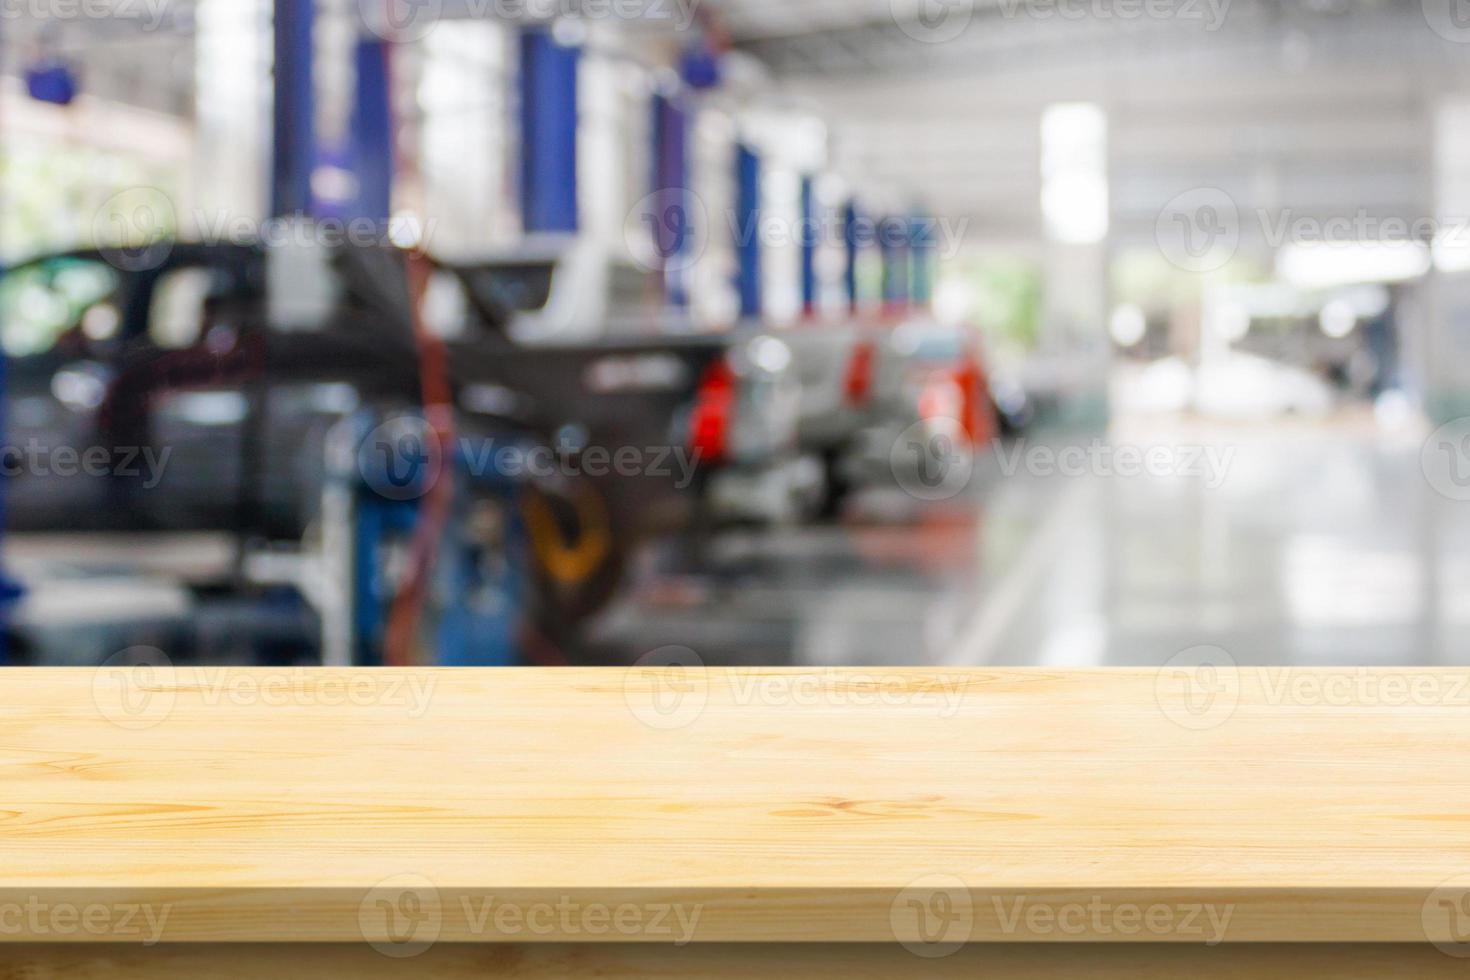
x=548 y=92
x=670 y=224
x=893 y=235
x=8 y=590
x=294 y=129
x=372 y=132
x=810 y=237
x=852 y=244
x=747 y=220
x=922 y=246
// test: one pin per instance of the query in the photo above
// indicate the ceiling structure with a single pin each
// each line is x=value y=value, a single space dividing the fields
x=1313 y=107
x=918 y=36
x=141 y=55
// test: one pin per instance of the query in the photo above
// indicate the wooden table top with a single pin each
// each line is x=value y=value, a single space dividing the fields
x=753 y=805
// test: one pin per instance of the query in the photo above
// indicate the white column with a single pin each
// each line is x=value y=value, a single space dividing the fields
x=1075 y=217
x=232 y=57
x=1437 y=343
x=466 y=137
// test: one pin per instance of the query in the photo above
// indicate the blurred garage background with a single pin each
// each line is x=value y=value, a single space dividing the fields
x=935 y=332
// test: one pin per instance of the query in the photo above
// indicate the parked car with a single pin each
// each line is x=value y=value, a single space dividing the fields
x=837 y=366
x=582 y=332
x=197 y=394
x=865 y=382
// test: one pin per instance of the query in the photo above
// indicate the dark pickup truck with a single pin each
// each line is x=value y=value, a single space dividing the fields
x=196 y=394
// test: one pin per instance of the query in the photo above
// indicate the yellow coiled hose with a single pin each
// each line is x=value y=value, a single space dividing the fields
x=569 y=563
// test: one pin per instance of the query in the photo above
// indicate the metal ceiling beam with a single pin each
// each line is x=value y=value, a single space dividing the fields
x=998 y=40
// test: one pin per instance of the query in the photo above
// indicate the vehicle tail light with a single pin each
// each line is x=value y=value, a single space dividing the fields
x=713 y=414
x=959 y=392
x=941 y=398
x=859 y=383
x=979 y=417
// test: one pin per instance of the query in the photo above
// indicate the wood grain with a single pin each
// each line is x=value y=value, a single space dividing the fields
x=840 y=806
x=731 y=962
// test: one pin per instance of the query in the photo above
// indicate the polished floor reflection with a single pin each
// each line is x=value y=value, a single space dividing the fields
x=1283 y=542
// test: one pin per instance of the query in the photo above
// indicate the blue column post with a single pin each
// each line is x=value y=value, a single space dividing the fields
x=922 y=246
x=372 y=132
x=852 y=245
x=811 y=236
x=671 y=219
x=10 y=590
x=747 y=219
x=548 y=93
x=4 y=610
x=893 y=235
x=294 y=115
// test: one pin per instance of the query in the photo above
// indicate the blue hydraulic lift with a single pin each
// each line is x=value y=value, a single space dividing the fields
x=293 y=157
x=747 y=219
x=922 y=245
x=479 y=598
x=370 y=153
x=852 y=246
x=893 y=241
x=296 y=152
x=810 y=237
x=548 y=133
x=672 y=230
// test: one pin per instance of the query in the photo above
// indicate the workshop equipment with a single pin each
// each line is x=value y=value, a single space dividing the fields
x=477 y=592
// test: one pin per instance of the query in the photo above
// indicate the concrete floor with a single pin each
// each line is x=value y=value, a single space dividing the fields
x=1312 y=543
